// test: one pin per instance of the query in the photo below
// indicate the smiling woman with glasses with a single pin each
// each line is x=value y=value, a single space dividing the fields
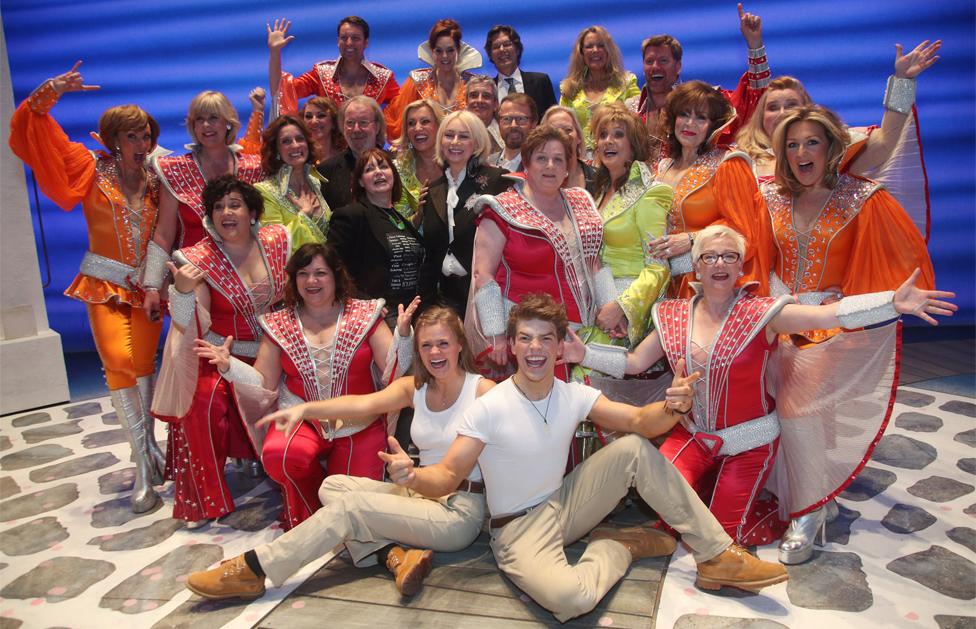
x=731 y=337
x=444 y=81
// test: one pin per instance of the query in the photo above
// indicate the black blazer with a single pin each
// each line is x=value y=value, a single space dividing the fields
x=538 y=85
x=483 y=180
x=338 y=169
x=378 y=254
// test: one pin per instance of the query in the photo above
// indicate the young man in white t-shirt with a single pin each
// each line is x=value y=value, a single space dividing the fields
x=520 y=434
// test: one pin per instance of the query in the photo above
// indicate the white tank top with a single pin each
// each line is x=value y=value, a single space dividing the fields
x=434 y=432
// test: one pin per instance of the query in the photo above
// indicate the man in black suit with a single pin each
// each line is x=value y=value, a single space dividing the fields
x=504 y=48
x=363 y=127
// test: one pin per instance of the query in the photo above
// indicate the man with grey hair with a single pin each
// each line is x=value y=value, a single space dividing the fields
x=363 y=127
x=482 y=95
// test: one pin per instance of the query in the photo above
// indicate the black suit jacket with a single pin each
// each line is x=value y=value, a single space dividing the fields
x=338 y=169
x=484 y=180
x=361 y=233
x=538 y=85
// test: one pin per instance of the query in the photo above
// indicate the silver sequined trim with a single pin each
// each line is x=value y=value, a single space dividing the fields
x=608 y=359
x=113 y=271
x=491 y=309
x=287 y=399
x=242 y=373
x=899 y=94
x=745 y=436
x=239 y=348
x=155 y=271
x=858 y=311
x=681 y=264
x=604 y=286
x=182 y=307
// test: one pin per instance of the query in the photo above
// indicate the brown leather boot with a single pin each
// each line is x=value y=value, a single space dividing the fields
x=409 y=566
x=231 y=579
x=737 y=568
x=642 y=542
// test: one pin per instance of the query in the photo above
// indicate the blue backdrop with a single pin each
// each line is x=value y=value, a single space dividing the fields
x=160 y=54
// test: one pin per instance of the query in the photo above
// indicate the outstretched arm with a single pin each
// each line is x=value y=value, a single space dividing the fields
x=648 y=352
x=861 y=310
x=397 y=396
x=654 y=419
x=882 y=142
x=278 y=38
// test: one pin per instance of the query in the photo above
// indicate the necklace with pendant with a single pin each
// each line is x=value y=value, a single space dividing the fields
x=544 y=416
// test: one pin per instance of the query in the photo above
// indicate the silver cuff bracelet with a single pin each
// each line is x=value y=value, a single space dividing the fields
x=604 y=287
x=242 y=373
x=681 y=264
x=182 y=307
x=899 y=94
x=859 y=311
x=608 y=359
x=491 y=308
x=155 y=271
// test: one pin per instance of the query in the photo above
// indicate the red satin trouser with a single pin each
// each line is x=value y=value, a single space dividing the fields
x=293 y=462
x=200 y=444
x=126 y=342
x=739 y=479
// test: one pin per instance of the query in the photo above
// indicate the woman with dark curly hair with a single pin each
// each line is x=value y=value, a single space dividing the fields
x=293 y=192
x=711 y=184
x=235 y=273
x=324 y=344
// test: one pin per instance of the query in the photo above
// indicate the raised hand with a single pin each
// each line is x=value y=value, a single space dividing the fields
x=187 y=277
x=72 y=81
x=909 y=299
x=256 y=96
x=217 y=355
x=680 y=395
x=405 y=316
x=918 y=60
x=285 y=420
x=399 y=466
x=278 y=36
x=751 y=27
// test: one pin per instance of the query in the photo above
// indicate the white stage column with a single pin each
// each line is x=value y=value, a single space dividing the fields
x=32 y=371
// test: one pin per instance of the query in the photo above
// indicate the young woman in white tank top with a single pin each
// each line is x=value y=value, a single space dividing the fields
x=372 y=517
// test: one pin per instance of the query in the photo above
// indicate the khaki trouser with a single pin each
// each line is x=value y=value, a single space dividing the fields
x=367 y=515
x=530 y=549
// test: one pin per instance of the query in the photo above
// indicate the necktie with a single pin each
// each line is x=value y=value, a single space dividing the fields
x=511 y=85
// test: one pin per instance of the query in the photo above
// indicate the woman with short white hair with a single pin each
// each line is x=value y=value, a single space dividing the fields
x=730 y=336
x=463 y=147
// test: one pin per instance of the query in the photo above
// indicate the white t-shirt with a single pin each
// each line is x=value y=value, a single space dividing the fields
x=434 y=432
x=524 y=458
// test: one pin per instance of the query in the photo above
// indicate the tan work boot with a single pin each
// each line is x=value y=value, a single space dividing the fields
x=409 y=567
x=737 y=568
x=231 y=579
x=642 y=542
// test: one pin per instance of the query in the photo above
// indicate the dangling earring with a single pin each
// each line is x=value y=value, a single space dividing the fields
x=254 y=221
x=229 y=127
x=698 y=275
x=741 y=273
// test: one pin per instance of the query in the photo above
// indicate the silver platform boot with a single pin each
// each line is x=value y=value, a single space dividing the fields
x=128 y=407
x=157 y=461
x=803 y=532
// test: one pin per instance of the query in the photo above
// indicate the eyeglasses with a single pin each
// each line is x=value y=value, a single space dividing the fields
x=519 y=120
x=501 y=45
x=729 y=257
x=362 y=124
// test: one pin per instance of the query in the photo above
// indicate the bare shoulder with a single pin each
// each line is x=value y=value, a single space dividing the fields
x=484 y=385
